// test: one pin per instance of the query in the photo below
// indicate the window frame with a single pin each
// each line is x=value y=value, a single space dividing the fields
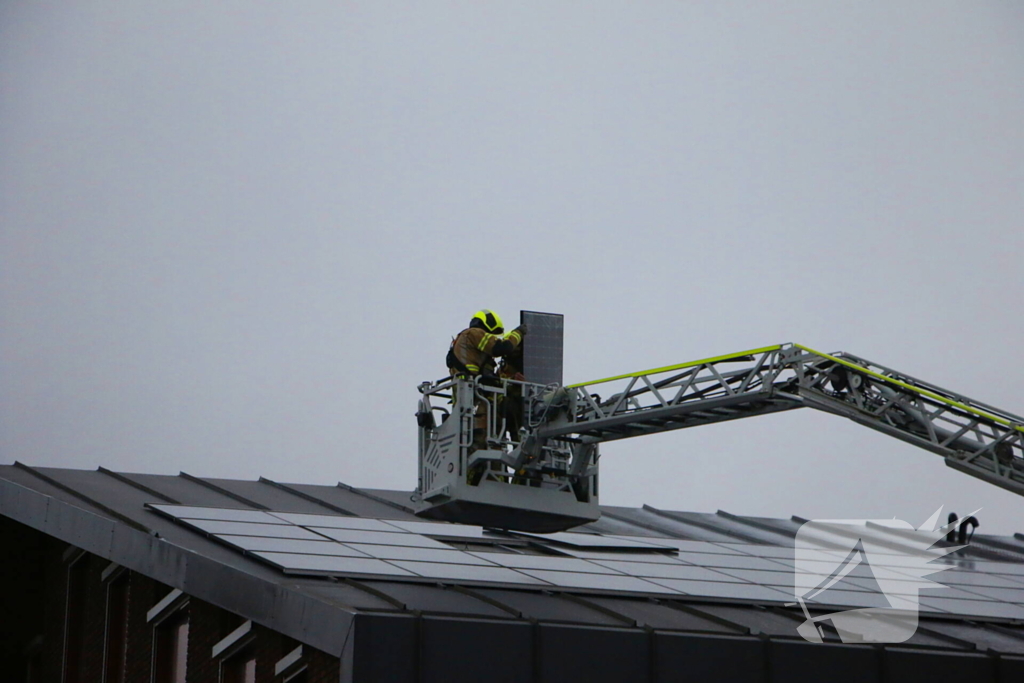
x=233 y=647
x=112 y=577
x=167 y=614
x=73 y=591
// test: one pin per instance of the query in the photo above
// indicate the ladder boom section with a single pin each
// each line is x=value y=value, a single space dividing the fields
x=975 y=438
x=679 y=396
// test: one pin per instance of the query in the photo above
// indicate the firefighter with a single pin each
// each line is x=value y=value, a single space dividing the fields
x=512 y=368
x=473 y=350
x=472 y=354
x=512 y=407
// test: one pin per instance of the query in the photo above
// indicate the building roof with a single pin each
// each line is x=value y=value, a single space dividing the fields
x=635 y=568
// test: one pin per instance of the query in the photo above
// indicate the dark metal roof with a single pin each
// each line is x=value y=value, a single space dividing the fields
x=105 y=513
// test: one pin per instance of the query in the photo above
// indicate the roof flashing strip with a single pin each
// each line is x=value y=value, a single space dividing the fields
x=232 y=639
x=173 y=599
x=288 y=661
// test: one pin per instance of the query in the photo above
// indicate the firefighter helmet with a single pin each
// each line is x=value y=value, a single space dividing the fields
x=488 y=320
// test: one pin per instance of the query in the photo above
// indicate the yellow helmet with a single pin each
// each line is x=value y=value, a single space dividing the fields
x=489 y=320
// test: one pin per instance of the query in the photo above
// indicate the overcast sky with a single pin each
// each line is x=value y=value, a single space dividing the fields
x=235 y=236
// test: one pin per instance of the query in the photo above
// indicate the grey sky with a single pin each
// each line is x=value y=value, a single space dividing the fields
x=235 y=236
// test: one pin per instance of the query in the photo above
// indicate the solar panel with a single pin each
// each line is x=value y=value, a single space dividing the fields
x=336 y=521
x=321 y=564
x=623 y=556
x=782 y=579
x=564 y=564
x=952 y=592
x=888 y=543
x=715 y=589
x=615 y=582
x=993 y=593
x=669 y=571
x=395 y=552
x=466 y=572
x=973 y=608
x=250 y=529
x=221 y=514
x=1017 y=581
x=299 y=543
x=595 y=541
x=542 y=347
x=877 y=560
x=382 y=538
x=448 y=530
x=735 y=561
x=999 y=568
x=643 y=542
x=861 y=571
x=773 y=551
x=844 y=598
x=695 y=546
x=857 y=576
x=288 y=545
x=956 y=577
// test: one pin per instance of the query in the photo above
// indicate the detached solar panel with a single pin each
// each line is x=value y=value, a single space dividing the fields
x=595 y=541
x=542 y=347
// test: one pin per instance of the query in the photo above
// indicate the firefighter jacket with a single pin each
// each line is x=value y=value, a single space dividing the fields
x=512 y=365
x=476 y=348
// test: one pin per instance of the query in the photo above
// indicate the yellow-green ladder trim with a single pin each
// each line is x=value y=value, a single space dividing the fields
x=764 y=349
x=669 y=368
x=911 y=387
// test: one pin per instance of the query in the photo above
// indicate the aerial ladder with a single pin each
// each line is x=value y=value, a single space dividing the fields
x=545 y=478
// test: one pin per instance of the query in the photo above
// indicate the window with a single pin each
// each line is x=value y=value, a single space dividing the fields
x=238 y=655
x=170 y=637
x=74 y=621
x=117 y=630
x=240 y=669
x=171 y=658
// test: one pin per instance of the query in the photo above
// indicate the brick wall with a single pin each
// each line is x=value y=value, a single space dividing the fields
x=323 y=668
x=35 y=574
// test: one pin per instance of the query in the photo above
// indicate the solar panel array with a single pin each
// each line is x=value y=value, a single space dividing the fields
x=304 y=544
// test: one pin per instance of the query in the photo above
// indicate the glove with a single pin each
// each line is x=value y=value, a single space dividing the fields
x=521 y=330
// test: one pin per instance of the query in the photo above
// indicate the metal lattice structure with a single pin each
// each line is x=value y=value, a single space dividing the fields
x=563 y=426
x=973 y=437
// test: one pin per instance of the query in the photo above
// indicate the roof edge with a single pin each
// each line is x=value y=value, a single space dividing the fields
x=265 y=602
